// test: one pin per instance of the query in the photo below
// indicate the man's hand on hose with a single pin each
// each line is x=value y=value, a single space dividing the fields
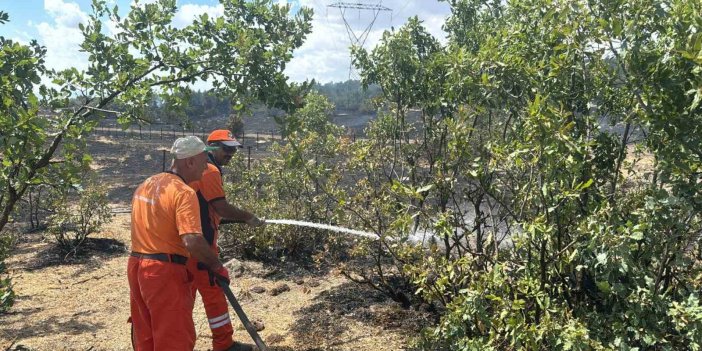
x=255 y=222
x=219 y=274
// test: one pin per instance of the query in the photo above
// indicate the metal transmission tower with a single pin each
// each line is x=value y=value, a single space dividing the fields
x=359 y=39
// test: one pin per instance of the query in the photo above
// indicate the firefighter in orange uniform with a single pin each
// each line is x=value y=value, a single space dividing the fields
x=213 y=207
x=166 y=230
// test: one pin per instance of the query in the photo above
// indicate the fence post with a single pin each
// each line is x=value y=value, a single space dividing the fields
x=161 y=132
x=256 y=140
x=243 y=136
x=248 y=166
x=164 y=160
x=140 y=132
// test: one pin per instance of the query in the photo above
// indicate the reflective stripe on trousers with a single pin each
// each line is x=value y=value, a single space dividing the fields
x=216 y=307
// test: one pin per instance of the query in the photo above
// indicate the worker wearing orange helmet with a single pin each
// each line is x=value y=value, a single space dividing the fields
x=166 y=230
x=213 y=207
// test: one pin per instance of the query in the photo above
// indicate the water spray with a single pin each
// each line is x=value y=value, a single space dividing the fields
x=312 y=225
x=322 y=226
x=232 y=299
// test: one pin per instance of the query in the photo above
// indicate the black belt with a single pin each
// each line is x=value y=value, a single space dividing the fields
x=162 y=257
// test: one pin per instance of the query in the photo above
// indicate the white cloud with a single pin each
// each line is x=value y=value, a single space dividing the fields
x=187 y=13
x=113 y=27
x=141 y=3
x=66 y=14
x=62 y=38
x=325 y=55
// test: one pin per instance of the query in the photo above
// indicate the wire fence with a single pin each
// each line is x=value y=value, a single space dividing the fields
x=170 y=132
x=252 y=141
x=257 y=138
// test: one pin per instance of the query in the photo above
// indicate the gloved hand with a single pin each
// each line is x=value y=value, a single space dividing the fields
x=220 y=274
x=256 y=222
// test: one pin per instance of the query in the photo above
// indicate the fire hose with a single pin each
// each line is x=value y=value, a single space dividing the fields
x=242 y=316
x=230 y=296
x=237 y=307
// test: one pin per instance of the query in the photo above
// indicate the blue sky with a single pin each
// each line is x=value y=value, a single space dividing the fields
x=324 y=56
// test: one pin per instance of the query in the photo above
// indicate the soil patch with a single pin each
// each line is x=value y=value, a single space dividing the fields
x=84 y=304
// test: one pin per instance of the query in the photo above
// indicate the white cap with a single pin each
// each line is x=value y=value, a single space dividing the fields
x=189 y=146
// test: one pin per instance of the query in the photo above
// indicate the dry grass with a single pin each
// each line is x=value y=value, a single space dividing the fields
x=83 y=304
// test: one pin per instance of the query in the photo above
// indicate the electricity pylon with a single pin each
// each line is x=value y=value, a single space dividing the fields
x=359 y=39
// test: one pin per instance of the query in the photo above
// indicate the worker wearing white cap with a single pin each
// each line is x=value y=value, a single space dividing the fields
x=166 y=231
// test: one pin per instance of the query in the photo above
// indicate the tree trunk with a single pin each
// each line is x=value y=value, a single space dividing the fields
x=8 y=206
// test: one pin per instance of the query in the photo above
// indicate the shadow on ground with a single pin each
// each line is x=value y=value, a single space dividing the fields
x=326 y=319
x=280 y=265
x=91 y=253
x=72 y=326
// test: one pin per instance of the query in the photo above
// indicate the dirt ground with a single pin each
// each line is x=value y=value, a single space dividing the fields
x=83 y=303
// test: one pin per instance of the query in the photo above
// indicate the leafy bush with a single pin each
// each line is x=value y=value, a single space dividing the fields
x=71 y=225
x=38 y=205
x=287 y=186
x=236 y=124
x=7 y=295
x=519 y=204
x=546 y=231
x=32 y=142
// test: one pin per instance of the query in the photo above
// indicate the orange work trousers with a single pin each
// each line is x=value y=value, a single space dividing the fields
x=216 y=307
x=161 y=305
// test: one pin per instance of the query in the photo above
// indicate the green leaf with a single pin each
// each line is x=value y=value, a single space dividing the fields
x=636 y=235
x=585 y=185
x=604 y=287
x=425 y=188
x=602 y=258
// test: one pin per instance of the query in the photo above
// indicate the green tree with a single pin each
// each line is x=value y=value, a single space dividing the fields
x=299 y=181
x=349 y=95
x=540 y=215
x=243 y=53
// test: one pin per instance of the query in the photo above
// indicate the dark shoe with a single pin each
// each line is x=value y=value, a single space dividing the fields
x=237 y=346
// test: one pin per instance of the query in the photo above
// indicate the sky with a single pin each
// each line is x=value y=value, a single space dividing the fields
x=324 y=56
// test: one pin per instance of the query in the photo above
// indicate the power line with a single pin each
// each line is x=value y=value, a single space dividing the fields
x=402 y=9
x=360 y=6
x=354 y=38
